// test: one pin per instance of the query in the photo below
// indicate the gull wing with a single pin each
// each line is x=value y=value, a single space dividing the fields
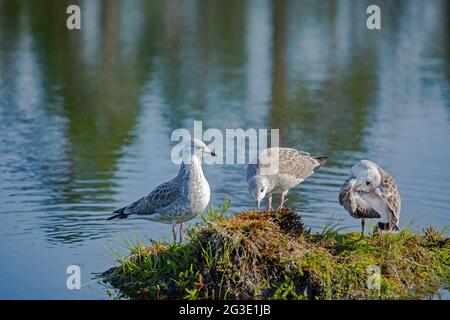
x=391 y=196
x=355 y=205
x=298 y=164
x=162 y=196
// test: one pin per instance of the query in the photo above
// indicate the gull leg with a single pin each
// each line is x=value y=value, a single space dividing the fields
x=174 y=232
x=283 y=200
x=270 y=202
x=363 y=222
x=181 y=232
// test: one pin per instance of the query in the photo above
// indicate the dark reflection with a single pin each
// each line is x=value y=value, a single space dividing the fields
x=73 y=103
x=278 y=67
x=97 y=96
x=446 y=17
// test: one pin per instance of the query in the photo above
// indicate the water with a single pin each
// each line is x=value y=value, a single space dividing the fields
x=86 y=116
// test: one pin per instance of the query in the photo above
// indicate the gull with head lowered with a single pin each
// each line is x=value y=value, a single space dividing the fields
x=178 y=200
x=278 y=170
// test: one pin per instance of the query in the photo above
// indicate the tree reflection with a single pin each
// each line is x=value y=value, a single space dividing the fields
x=323 y=84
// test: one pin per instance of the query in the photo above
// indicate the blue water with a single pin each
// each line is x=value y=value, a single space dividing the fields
x=86 y=116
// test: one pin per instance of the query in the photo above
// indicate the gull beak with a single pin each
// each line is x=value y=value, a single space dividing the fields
x=351 y=185
x=258 y=203
x=212 y=153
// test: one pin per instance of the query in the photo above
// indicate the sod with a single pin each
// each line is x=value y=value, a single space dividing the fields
x=272 y=255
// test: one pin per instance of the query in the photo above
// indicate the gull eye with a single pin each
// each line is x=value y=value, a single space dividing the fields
x=261 y=190
x=367 y=183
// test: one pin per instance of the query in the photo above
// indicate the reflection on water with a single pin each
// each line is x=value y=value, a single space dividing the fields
x=86 y=116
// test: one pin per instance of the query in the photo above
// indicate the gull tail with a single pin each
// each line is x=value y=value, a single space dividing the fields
x=321 y=160
x=120 y=214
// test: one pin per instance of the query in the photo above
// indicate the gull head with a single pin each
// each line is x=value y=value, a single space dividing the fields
x=198 y=147
x=364 y=176
x=258 y=188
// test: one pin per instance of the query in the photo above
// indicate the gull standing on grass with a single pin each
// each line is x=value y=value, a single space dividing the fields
x=178 y=200
x=279 y=169
x=371 y=193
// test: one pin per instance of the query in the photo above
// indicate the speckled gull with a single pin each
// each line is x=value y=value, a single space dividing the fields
x=371 y=193
x=278 y=170
x=178 y=200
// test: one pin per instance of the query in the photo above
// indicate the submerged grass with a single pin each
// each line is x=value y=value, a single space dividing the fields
x=271 y=255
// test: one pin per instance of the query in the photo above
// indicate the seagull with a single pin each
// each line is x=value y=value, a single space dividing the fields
x=371 y=193
x=278 y=170
x=178 y=200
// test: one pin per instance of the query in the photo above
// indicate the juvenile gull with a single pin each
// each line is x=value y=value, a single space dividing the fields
x=178 y=200
x=279 y=169
x=370 y=192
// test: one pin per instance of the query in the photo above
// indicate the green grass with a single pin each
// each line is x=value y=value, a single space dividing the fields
x=271 y=255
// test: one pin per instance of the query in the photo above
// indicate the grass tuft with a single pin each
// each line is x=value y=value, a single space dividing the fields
x=271 y=255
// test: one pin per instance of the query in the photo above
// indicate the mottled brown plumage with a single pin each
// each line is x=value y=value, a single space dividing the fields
x=392 y=196
x=355 y=205
x=370 y=192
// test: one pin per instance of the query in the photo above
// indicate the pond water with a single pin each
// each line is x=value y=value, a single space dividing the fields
x=86 y=116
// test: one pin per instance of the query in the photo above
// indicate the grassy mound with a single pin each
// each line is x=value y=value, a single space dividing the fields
x=271 y=255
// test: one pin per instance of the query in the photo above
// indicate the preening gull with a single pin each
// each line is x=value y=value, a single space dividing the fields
x=178 y=200
x=279 y=169
x=370 y=192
